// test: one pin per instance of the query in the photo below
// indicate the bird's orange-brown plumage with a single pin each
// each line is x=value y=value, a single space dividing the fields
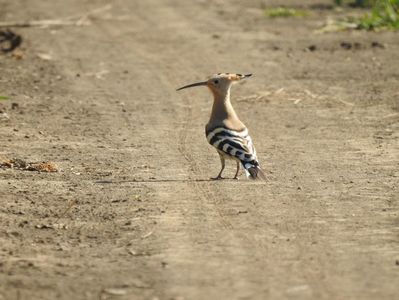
x=225 y=131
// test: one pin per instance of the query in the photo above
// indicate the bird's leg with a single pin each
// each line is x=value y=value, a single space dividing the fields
x=238 y=170
x=222 y=161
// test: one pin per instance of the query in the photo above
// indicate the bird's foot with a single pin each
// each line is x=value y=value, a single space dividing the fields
x=217 y=178
x=236 y=178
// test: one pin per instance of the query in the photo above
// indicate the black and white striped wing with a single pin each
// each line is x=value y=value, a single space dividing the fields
x=236 y=144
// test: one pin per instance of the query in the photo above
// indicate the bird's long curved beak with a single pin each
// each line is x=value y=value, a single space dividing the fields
x=202 y=83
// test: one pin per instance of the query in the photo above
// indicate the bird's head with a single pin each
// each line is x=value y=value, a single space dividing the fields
x=219 y=83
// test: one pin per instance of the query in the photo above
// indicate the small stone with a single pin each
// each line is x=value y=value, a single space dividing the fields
x=346 y=45
x=44 y=56
x=377 y=45
x=115 y=291
x=311 y=48
x=4 y=116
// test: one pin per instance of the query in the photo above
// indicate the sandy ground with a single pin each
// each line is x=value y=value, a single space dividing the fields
x=145 y=220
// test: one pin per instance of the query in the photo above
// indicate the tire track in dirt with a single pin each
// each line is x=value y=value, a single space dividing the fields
x=205 y=189
x=205 y=194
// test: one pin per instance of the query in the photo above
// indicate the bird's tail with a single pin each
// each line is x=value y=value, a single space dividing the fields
x=254 y=172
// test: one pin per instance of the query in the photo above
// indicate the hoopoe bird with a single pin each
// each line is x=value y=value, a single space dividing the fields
x=225 y=131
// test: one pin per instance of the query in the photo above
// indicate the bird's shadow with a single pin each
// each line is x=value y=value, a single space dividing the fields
x=161 y=180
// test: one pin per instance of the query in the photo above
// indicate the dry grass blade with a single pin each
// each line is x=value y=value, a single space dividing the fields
x=69 y=21
x=72 y=204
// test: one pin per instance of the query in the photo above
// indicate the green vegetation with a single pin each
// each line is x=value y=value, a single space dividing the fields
x=285 y=12
x=384 y=15
x=3 y=98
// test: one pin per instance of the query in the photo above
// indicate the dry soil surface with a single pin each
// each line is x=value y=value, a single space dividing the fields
x=132 y=213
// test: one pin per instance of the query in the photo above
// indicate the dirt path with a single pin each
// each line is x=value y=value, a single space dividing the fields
x=147 y=223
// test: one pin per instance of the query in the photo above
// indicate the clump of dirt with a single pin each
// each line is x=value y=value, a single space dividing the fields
x=20 y=164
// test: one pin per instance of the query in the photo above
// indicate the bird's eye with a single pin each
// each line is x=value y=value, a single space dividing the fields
x=216 y=82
